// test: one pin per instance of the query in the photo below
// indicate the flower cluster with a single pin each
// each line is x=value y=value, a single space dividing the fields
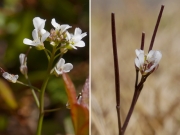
x=59 y=38
x=147 y=63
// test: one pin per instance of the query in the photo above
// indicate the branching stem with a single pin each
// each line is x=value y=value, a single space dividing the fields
x=43 y=88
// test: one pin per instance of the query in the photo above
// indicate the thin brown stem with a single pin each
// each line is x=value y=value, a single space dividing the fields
x=137 y=91
x=137 y=76
x=2 y=70
x=142 y=41
x=116 y=70
x=156 y=28
x=28 y=51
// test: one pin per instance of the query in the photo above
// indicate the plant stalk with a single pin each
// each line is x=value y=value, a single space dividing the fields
x=43 y=88
x=116 y=70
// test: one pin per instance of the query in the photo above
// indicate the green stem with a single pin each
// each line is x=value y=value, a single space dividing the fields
x=52 y=110
x=46 y=52
x=41 y=107
x=43 y=88
x=33 y=93
x=32 y=87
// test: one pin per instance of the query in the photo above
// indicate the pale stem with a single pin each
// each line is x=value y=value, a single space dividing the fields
x=52 y=110
x=46 y=52
x=28 y=86
x=33 y=93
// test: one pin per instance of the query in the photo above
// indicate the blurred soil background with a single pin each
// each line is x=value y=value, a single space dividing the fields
x=157 y=111
x=18 y=111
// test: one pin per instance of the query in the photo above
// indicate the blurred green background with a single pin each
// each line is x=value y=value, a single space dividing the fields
x=18 y=112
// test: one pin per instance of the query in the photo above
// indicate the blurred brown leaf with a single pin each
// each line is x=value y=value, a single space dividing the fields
x=79 y=113
x=85 y=94
x=7 y=95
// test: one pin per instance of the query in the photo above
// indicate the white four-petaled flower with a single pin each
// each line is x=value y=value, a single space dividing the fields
x=61 y=67
x=10 y=77
x=61 y=28
x=39 y=34
x=75 y=40
x=147 y=63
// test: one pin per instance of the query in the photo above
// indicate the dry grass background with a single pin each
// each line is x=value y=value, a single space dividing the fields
x=157 y=111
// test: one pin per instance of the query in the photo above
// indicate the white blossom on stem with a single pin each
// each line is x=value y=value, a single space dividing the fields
x=76 y=39
x=37 y=40
x=10 y=77
x=147 y=63
x=23 y=62
x=39 y=34
x=61 y=67
x=62 y=28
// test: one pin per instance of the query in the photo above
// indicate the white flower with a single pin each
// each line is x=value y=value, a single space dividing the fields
x=75 y=40
x=23 y=62
x=10 y=77
x=61 y=67
x=39 y=34
x=147 y=63
x=59 y=27
x=38 y=40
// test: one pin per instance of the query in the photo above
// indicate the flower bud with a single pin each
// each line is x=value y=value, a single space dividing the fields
x=23 y=62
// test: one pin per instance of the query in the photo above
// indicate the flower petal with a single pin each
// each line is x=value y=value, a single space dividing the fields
x=28 y=42
x=137 y=63
x=83 y=34
x=68 y=36
x=58 y=72
x=150 y=56
x=5 y=75
x=80 y=44
x=158 y=56
x=138 y=51
x=22 y=58
x=77 y=31
x=76 y=38
x=39 y=23
x=67 y=67
x=14 y=78
x=141 y=59
x=60 y=63
x=42 y=31
x=55 y=24
x=44 y=36
x=35 y=34
x=64 y=27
